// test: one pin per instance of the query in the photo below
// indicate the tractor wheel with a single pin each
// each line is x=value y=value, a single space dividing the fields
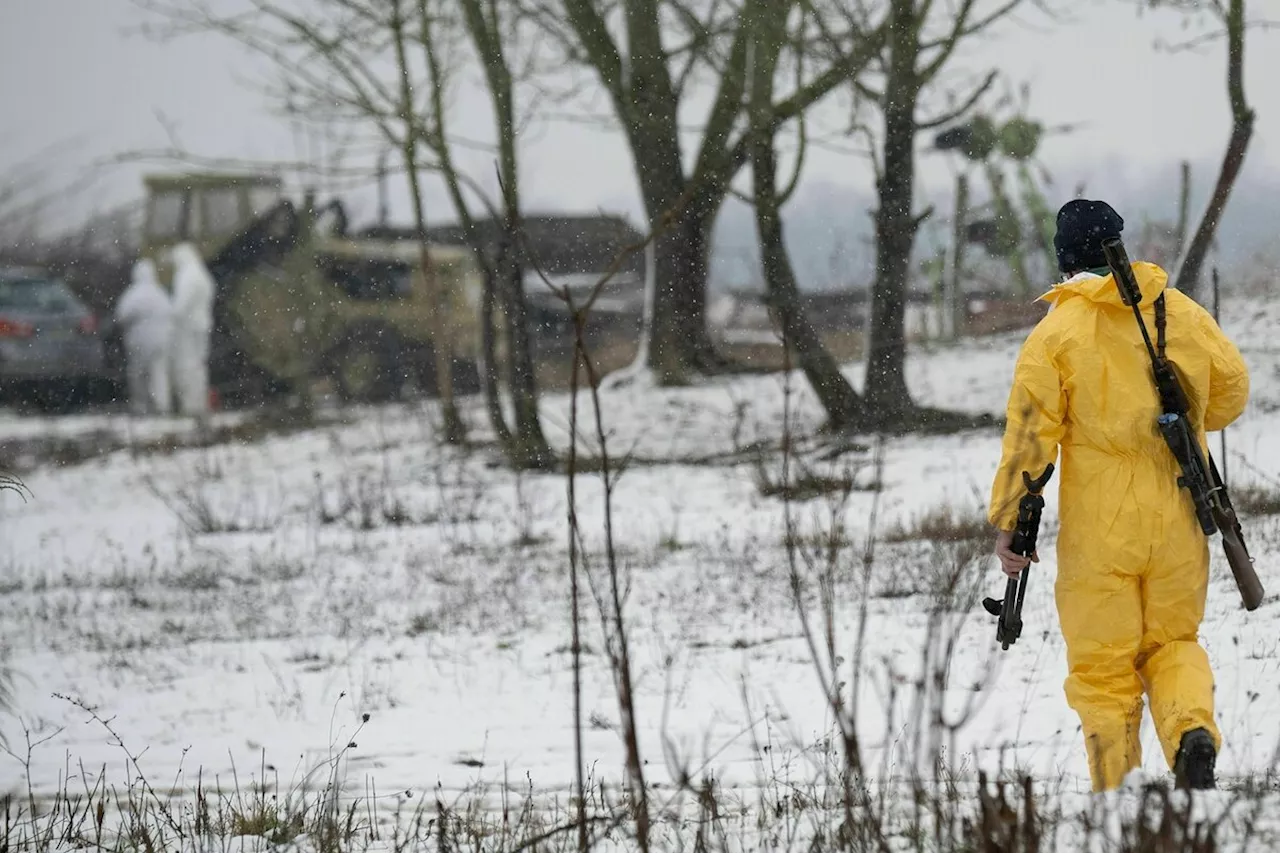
x=366 y=365
x=420 y=358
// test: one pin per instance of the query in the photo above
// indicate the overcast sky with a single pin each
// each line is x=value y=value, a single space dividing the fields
x=74 y=72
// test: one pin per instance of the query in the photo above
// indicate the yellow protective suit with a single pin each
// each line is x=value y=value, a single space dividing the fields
x=1132 y=560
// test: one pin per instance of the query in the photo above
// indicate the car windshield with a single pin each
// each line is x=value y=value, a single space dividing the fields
x=43 y=295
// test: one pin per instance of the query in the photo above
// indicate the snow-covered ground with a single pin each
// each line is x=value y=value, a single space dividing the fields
x=242 y=606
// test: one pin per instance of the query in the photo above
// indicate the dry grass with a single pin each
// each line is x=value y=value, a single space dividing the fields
x=365 y=501
x=942 y=524
x=797 y=478
x=204 y=510
x=950 y=814
x=1256 y=499
x=806 y=485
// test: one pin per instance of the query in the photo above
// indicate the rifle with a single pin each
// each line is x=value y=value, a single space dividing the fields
x=1200 y=477
x=1009 y=609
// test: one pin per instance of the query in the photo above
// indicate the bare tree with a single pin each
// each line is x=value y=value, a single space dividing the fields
x=649 y=74
x=493 y=28
x=386 y=65
x=1232 y=16
x=406 y=106
x=838 y=398
x=609 y=591
x=93 y=257
x=36 y=186
x=923 y=40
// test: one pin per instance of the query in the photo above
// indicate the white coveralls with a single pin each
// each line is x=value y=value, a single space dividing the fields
x=193 y=294
x=145 y=315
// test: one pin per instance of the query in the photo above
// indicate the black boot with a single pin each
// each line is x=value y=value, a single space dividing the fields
x=1193 y=767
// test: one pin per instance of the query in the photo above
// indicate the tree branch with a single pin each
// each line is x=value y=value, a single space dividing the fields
x=1242 y=120
x=967 y=104
x=729 y=98
x=867 y=49
x=601 y=49
x=703 y=34
x=947 y=46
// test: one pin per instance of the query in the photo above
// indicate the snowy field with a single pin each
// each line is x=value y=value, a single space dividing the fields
x=233 y=611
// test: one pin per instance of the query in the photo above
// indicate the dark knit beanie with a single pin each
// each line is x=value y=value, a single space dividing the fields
x=1082 y=226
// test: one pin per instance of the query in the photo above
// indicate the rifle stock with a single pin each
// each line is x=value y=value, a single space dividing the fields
x=1251 y=591
x=1238 y=557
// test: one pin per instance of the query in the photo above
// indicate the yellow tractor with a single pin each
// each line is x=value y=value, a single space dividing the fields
x=303 y=308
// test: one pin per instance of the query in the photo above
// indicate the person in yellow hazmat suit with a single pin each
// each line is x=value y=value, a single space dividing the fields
x=1133 y=563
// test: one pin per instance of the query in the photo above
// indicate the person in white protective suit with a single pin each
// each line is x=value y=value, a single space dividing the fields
x=193 y=293
x=145 y=315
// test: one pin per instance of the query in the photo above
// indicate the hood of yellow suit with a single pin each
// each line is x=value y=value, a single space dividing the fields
x=1152 y=281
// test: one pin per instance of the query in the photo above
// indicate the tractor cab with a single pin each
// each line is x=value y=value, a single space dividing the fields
x=207 y=209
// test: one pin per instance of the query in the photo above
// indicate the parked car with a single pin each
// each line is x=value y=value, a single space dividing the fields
x=51 y=349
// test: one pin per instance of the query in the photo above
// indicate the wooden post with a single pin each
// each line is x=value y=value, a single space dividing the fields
x=384 y=207
x=1184 y=214
x=953 y=281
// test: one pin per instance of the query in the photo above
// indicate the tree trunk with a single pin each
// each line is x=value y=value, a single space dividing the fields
x=841 y=402
x=679 y=346
x=441 y=341
x=951 y=320
x=1188 y=278
x=886 y=397
x=455 y=431
x=490 y=268
x=529 y=447
x=646 y=100
x=648 y=106
x=489 y=357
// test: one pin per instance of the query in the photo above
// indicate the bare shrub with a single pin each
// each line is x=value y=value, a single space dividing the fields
x=366 y=501
x=459 y=496
x=931 y=572
x=943 y=523
x=202 y=512
x=273 y=566
x=198 y=577
x=1256 y=499
x=800 y=481
x=426 y=622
